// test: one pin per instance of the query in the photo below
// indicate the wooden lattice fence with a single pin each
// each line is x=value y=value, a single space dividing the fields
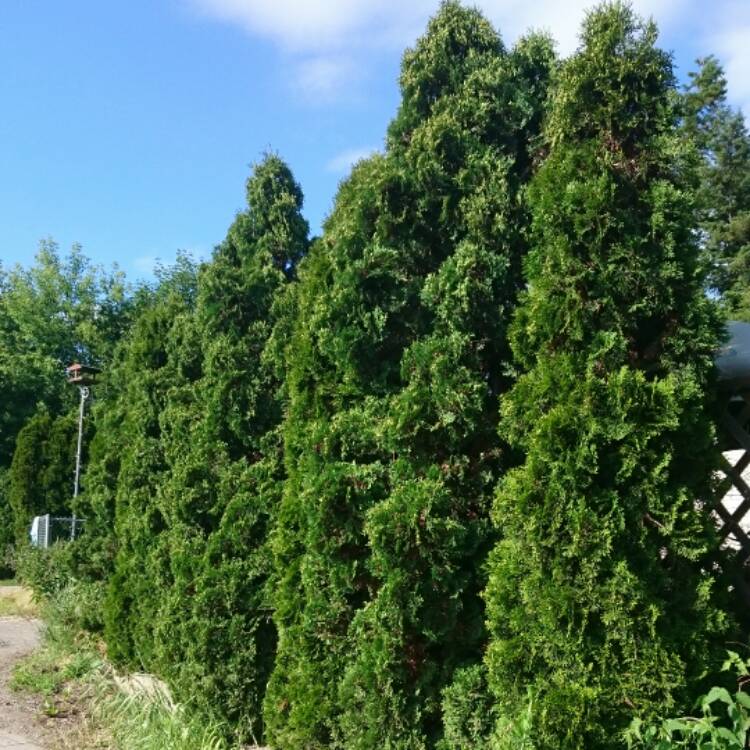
x=731 y=508
x=733 y=494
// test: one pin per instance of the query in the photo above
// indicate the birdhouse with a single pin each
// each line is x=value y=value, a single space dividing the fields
x=79 y=374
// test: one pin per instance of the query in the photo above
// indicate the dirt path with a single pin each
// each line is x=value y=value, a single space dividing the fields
x=20 y=728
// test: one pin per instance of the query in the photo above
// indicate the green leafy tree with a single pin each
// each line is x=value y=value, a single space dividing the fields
x=603 y=600
x=59 y=310
x=721 y=135
x=395 y=363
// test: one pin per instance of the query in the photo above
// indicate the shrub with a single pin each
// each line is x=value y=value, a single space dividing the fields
x=605 y=598
x=396 y=360
x=467 y=711
x=45 y=571
x=39 y=480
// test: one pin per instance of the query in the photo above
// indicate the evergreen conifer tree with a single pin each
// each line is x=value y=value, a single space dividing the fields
x=141 y=569
x=429 y=537
x=26 y=469
x=222 y=443
x=602 y=600
x=407 y=293
x=724 y=195
x=7 y=530
x=41 y=473
x=109 y=410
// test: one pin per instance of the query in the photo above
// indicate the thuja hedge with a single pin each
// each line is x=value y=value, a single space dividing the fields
x=395 y=367
x=604 y=598
x=187 y=465
x=226 y=459
x=433 y=481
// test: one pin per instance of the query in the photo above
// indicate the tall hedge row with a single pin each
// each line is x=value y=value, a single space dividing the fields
x=395 y=366
x=187 y=464
x=604 y=600
x=433 y=481
x=226 y=459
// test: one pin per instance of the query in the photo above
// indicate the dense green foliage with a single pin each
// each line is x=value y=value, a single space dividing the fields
x=141 y=351
x=225 y=456
x=724 y=194
x=41 y=474
x=602 y=597
x=723 y=724
x=57 y=311
x=395 y=365
x=142 y=566
x=434 y=481
x=428 y=537
x=193 y=491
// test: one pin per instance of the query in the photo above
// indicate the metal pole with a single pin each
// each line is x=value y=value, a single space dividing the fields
x=84 y=395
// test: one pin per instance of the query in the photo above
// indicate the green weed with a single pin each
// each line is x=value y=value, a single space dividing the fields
x=723 y=722
x=152 y=723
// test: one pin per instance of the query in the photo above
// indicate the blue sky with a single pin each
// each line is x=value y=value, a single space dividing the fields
x=130 y=126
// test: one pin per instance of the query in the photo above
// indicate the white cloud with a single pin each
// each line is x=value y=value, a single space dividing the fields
x=562 y=18
x=343 y=162
x=732 y=46
x=314 y=25
x=324 y=78
x=328 y=41
x=303 y=26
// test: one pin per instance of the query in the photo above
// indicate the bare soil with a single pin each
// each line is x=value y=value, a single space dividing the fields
x=19 y=714
x=25 y=718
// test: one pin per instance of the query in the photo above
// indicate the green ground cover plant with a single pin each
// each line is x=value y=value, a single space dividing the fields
x=722 y=723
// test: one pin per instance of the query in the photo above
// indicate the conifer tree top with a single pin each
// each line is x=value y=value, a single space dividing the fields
x=617 y=82
x=458 y=41
x=615 y=252
x=274 y=220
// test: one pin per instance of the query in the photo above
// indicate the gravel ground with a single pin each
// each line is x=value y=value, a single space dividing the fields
x=23 y=723
x=19 y=720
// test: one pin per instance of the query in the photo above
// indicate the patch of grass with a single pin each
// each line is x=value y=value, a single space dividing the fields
x=17 y=602
x=70 y=674
x=137 y=722
x=62 y=671
x=8 y=582
x=48 y=671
